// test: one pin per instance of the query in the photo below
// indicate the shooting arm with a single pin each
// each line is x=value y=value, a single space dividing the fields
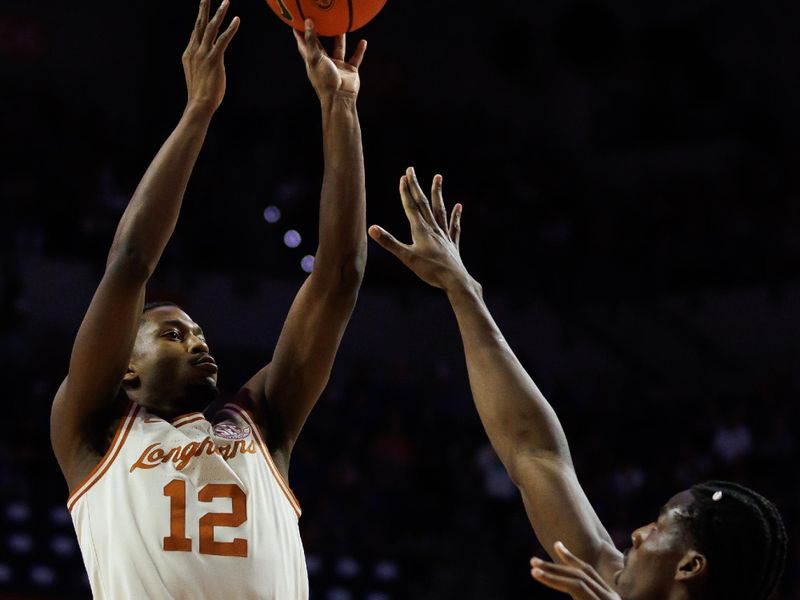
x=103 y=345
x=306 y=348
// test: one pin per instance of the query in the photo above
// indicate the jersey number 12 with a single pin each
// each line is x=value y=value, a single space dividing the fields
x=177 y=540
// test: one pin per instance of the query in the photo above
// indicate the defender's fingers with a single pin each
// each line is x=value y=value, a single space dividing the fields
x=358 y=55
x=387 y=241
x=598 y=587
x=419 y=198
x=574 y=587
x=409 y=206
x=201 y=22
x=437 y=201
x=225 y=38
x=568 y=558
x=210 y=34
x=455 y=224
x=339 y=47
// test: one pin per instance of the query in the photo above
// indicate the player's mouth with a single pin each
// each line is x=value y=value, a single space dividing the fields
x=207 y=363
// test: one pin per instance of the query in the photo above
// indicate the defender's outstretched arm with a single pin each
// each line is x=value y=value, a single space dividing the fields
x=102 y=348
x=285 y=392
x=521 y=424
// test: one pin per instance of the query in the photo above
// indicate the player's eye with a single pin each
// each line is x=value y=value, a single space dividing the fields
x=172 y=334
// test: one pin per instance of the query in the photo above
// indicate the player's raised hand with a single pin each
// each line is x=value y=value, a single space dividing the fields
x=573 y=576
x=330 y=74
x=203 y=59
x=433 y=254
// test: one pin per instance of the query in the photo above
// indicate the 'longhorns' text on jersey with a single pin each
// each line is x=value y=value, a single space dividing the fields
x=189 y=509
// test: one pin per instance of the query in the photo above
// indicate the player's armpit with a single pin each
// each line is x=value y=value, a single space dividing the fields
x=99 y=360
x=304 y=356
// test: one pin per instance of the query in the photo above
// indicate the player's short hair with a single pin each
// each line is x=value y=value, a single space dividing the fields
x=148 y=306
x=158 y=304
x=743 y=538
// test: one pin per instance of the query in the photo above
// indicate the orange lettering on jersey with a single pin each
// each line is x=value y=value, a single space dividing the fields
x=181 y=456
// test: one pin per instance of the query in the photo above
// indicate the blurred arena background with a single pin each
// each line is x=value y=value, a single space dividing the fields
x=629 y=172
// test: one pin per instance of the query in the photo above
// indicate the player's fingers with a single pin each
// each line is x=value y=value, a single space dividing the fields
x=568 y=558
x=339 y=46
x=358 y=55
x=312 y=43
x=437 y=202
x=574 y=587
x=226 y=36
x=455 y=224
x=419 y=198
x=387 y=241
x=210 y=34
x=301 y=43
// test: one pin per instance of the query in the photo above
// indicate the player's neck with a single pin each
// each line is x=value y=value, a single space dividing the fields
x=171 y=407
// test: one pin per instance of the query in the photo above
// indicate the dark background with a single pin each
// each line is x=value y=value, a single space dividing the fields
x=632 y=208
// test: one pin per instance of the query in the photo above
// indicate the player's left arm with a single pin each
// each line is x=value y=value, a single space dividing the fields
x=285 y=391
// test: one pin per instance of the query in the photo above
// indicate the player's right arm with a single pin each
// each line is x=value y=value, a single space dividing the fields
x=520 y=423
x=103 y=345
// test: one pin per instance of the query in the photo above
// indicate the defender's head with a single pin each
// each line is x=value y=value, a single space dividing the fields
x=171 y=371
x=717 y=540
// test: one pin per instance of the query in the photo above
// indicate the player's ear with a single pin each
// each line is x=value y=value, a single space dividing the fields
x=691 y=566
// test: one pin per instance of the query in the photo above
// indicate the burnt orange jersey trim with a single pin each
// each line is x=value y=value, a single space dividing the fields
x=188 y=421
x=123 y=429
x=192 y=415
x=282 y=483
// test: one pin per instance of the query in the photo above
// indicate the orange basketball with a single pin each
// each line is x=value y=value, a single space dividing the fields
x=331 y=17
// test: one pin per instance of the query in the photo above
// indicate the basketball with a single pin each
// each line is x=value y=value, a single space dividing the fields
x=331 y=17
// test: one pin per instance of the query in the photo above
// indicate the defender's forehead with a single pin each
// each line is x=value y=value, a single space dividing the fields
x=678 y=505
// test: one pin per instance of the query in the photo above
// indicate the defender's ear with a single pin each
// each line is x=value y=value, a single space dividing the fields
x=692 y=565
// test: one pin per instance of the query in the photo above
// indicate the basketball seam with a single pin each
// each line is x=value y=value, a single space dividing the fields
x=350 y=15
x=300 y=9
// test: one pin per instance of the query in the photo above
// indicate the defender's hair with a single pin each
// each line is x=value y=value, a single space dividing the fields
x=742 y=536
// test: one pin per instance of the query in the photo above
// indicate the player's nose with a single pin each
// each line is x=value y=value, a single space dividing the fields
x=197 y=345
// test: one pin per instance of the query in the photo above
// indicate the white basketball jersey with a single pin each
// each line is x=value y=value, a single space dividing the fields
x=189 y=509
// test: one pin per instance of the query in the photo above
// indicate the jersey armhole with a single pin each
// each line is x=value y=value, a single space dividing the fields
x=121 y=434
x=282 y=483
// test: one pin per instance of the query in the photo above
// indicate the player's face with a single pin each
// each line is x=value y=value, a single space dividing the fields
x=171 y=357
x=657 y=548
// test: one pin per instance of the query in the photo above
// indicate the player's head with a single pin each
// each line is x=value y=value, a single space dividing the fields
x=171 y=369
x=717 y=540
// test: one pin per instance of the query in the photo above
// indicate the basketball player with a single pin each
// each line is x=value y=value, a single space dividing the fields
x=166 y=502
x=717 y=540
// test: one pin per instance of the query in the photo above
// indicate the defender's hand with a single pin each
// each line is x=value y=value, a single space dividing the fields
x=330 y=74
x=203 y=59
x=573 y=577
x=433 y=254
